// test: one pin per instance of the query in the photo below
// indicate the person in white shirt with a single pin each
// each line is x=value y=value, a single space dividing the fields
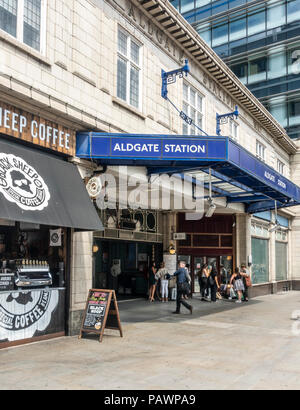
x=164 y=276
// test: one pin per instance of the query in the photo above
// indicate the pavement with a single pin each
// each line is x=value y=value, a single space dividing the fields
x=224 y=345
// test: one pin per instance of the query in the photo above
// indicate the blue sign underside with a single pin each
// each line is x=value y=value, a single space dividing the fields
x=254 y=183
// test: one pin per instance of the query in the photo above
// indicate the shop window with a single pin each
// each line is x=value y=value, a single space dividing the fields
x=128 y=69
x=260 y=260
x=281 y=260
x=23 y=20
x=193 y=108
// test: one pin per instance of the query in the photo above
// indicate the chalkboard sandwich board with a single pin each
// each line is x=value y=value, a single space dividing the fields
x=101 y=311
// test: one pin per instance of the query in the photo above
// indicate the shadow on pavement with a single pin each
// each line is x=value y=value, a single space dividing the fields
x=142 y=310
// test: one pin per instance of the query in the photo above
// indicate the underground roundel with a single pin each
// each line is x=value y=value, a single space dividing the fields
x=21 y=184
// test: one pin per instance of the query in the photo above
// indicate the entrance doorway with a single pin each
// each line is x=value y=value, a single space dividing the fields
x=196 y=262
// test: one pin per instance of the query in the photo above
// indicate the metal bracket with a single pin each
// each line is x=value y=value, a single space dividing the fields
x=170 y=77
x=223 y=119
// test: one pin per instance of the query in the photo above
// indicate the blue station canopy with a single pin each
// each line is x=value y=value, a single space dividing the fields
x=237 y=174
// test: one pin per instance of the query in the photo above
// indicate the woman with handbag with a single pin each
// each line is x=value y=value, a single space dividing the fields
x=239 y=287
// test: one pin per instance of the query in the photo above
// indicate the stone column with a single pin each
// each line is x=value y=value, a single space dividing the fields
x=81 y=277
x=243 y=238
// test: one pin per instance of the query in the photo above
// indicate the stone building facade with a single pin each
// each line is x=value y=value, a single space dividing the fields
x=75 y=75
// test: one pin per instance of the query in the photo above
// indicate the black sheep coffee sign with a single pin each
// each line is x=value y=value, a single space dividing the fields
x=21 y=184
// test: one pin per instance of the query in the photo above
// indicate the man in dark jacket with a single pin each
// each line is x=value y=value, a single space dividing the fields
x=182 y=286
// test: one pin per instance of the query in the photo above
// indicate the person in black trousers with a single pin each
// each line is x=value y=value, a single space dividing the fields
x=213 y=284
x=182 y=286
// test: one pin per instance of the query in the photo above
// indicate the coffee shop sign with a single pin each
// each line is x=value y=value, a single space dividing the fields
x=25 y=126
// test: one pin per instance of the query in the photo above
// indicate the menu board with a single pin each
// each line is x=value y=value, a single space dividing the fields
x=96 y=309
x=101 y=312
x=7 y=281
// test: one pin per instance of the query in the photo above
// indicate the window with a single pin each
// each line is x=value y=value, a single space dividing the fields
x=275 y=16
x=256 y=23
x=293 y=11
x=280 y=167
x=237 y=29
x=193 y=108
x=234 y=128
x=219 y=35
x=277 y=64
x=128 y=69
x=22 y=19
x=260 y=260
x=260 y=151
x=257 y=69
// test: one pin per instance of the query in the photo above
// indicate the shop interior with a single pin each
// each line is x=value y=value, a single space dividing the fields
x=31 y=256
x=124 y=265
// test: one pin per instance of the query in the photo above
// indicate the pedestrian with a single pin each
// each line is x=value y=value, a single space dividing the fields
x=237 y=279
x=152 y=281
x=204 y=281
x=213 y=284
x=182 y=286
x=189 y=290
x=164 y=276
x=246 y=280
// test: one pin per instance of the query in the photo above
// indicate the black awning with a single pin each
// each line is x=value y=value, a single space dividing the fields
x=38 y=188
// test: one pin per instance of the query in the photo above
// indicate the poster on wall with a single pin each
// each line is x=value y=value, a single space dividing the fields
x=55 y=237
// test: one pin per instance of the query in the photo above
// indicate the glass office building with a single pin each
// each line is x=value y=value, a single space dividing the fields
x=260 y=41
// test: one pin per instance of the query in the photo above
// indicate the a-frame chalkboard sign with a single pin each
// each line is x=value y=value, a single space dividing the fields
x=101 y=312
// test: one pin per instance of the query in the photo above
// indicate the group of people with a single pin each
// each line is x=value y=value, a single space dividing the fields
x=226 y=284
x=212 y=283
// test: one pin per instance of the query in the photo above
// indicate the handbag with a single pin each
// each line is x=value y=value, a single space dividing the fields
x=248 y=281
x=211 y=281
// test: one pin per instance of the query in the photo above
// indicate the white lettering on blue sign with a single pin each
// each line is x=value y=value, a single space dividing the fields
x=183 y=148
x=123 y=147
x=281 y=184
x=270 y=176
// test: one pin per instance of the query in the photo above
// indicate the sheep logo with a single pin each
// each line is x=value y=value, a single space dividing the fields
x=21 y=184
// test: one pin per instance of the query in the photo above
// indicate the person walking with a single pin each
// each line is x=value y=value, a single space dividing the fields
x=213 y=284
x=239 y=287
x=204 y=281
x=189 y=290
x=152 y=281
x=164 y=276
x=182 y=286
x=246 y=280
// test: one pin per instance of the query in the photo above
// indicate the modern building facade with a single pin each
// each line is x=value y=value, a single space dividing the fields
x=260 y=42
x=96 y=68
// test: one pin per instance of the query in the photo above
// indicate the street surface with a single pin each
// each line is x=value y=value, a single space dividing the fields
x=220 y=346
